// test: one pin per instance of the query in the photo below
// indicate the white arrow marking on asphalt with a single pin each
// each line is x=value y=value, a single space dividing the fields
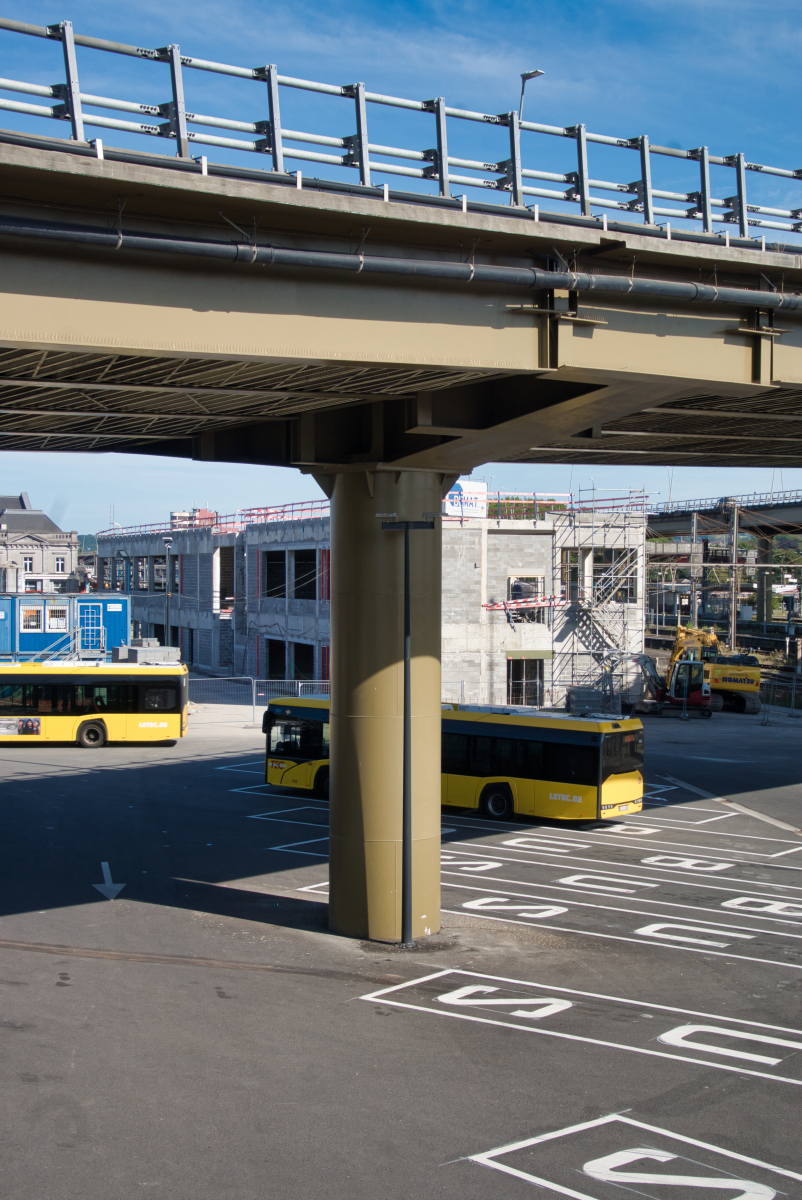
x=107 y=888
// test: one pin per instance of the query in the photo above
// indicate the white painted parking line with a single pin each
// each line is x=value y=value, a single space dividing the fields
x=541 y=1009
x=246 y=766
x=289 y=848
x=265 y=816
x=317 y=889
x=583 y=880
x=657 y=930
x=516 y=846
x=717 y=942
x=713 y=927
x=591 y=1156
x=758 y=908
x=757 y=904
x=614 y=937
x=749 y=812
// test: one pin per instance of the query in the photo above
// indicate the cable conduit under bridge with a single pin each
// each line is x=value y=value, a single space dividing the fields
x=528 y=277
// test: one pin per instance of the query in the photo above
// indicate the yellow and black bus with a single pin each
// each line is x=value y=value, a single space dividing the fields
x=500 y=761
x=92 y=704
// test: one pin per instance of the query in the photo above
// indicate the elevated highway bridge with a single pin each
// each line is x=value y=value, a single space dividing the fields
x=384 y=342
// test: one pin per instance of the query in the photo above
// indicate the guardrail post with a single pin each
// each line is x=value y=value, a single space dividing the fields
x=739 y=162
x=276 y=147
x=646 y=180
x=515 y=177
x=442 y=145
x=73 y=96
x=253 y=701
x=582 y=170
x=178 y=115
x=362 y=134
x=704 y=189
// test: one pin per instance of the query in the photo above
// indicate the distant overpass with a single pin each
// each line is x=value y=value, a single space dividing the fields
x=383 y=340
x=764 y=514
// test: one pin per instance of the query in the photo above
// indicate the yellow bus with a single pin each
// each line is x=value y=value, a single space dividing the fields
x=94 y=703
x=500 y=761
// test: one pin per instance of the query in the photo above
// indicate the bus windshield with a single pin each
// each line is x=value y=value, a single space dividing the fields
x=623 y=752
x=297 y=738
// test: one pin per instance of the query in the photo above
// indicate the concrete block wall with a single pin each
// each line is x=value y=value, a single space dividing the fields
x=479 y=558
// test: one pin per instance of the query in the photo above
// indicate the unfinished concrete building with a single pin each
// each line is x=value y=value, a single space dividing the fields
x=529 y=607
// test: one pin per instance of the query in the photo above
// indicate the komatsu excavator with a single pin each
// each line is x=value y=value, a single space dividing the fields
x=734 y=679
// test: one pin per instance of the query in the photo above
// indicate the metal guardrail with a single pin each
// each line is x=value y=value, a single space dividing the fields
x=298 y=510
x=268 y=138
x=239 y=699
x=723 y=503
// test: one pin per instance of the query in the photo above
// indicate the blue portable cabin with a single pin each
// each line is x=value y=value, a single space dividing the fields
x=33 y=623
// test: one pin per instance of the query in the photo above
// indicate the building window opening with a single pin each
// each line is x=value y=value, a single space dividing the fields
x=61 y=565
x=160 y=574
x=31 y=619
x=525 y=681
x=226 y=578
x=27 y=562
x=56 y=619
x=302 y=660
x=615 y=575
x=325 y=579
x=276 y=659
x=527 y=587
x=175 y=573
x=571 y=566
x=305 y=582
x=142 y=574
x=274 y=574
x=33 y=585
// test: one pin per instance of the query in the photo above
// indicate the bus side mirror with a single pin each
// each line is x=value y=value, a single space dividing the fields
x=266 y=723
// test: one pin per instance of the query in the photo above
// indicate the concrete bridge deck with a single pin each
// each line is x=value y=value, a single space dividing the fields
x=355 y=355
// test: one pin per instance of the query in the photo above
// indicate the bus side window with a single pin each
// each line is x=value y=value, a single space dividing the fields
x=534 y=757
x=10 y=699
x=455 y=754
x=325 y=747
x=163 y=698
x=510 y=757
x=573 y=764
x=481 y=756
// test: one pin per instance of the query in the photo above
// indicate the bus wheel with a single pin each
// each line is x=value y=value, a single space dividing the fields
x=322 y=785
x=91 y=735
x=496 y=803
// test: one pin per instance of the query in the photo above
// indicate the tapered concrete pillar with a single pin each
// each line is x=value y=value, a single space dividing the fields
x=367 y=703
x=765 y=596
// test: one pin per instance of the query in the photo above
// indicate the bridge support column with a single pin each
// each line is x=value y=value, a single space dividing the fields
x=765 y=596
x=367 y=702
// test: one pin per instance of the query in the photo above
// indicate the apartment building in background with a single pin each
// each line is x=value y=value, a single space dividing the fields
x=35 y=555
x=533 y=598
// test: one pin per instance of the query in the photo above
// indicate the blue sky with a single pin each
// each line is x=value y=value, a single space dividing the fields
x=722 y=73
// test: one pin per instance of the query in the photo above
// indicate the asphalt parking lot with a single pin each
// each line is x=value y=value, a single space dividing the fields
x=607 y=1008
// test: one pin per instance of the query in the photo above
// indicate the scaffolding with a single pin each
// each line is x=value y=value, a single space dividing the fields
x=598 y=561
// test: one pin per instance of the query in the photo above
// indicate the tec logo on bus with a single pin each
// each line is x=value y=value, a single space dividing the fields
x=278 y=766
x=569 y=799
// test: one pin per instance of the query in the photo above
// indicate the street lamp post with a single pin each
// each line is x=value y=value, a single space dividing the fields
x=168 y=541
x=406 y=843
x=526 y=75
